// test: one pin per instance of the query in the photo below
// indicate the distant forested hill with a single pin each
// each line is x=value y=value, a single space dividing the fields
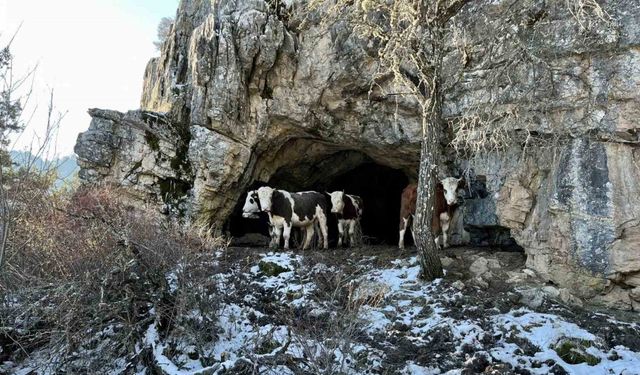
x=66 y=166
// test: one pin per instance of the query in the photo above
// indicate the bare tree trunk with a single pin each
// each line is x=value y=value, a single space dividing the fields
x=4 y=216
x=429 y=161
x=4 y=236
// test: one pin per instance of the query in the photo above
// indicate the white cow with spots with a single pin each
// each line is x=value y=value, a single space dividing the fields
x=287 y=210
x=348 y=209
x=249 y=211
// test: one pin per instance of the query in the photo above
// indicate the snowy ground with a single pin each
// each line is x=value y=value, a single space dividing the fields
x=367 y=313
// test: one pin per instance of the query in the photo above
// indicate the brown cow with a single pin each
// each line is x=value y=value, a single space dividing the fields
x=407 y=209
x=445 y=203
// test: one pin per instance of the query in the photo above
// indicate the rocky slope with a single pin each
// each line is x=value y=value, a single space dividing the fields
x=245 y=91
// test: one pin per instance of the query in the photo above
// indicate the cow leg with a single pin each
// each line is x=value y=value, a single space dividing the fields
x=403 y=229
x=444 y=222
x=346 y=226
x=322 y=221
x=274 y=239
x=286 y=234
x=352 y=231
x=272 y=233
x=316 y=233
x=276 y=232
x=308 y=235
x=340 y=232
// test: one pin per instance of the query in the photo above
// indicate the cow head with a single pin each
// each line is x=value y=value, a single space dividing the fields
x=264 y=198
x=251 y=205
x=451 y=186
x=337 y=202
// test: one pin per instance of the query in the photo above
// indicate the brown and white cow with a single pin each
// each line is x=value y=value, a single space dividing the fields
x=445 y=204
x=287 y=210
x=348 y=209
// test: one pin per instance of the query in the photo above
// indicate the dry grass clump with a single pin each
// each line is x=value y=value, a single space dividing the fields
x=335 y=325
x=86 y=274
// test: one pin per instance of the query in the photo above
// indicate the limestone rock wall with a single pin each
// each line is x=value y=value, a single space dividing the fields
x=244 y=89
x=570 y=197
x=256 y=94
x=140 y=150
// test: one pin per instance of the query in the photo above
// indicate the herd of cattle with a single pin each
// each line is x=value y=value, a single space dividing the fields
x=310 y=209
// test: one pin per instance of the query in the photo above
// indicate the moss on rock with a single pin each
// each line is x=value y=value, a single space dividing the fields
x=575 y=351
x=152 y=140
x=271 y=269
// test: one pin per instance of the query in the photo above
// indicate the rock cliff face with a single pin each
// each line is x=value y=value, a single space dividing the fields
x=243 y=91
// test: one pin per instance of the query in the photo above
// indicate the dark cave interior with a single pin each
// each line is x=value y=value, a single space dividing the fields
x=379 y=186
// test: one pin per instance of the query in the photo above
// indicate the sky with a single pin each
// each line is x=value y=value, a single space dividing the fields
x=92 y=53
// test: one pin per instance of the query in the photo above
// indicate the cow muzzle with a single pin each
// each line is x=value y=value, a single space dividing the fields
x=455 y=202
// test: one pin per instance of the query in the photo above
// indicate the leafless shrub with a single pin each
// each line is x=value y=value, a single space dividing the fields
x=85 y=269
x=15 y=117
x=326 y=339
x=588 y=13
x=514 y=101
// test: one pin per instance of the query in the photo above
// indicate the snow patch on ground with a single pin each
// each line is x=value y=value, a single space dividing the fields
x=391 y=306
x=289 y=284
x=545 y=331
x=414 y=369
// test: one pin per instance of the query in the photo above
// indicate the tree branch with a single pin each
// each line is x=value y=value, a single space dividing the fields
x=441 y=18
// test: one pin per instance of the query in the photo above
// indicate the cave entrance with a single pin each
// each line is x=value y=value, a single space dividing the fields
x=379 y=186
x=247 y=232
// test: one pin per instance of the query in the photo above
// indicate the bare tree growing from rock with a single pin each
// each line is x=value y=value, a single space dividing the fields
x=415 y=41
x=411 y=39
x=164 y=28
